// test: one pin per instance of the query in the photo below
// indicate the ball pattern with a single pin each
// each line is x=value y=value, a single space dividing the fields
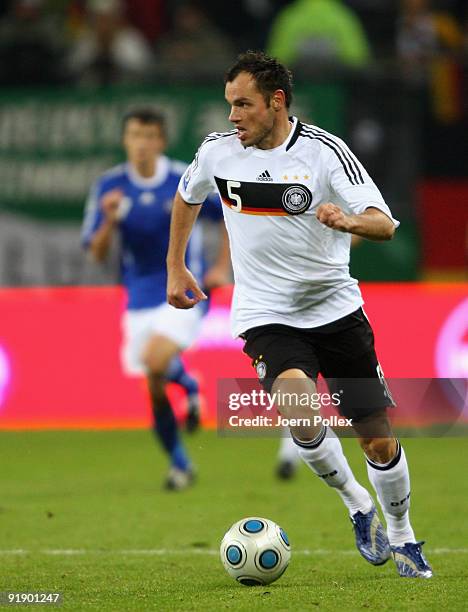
x=253 y=526
x=255 y=551
x=234 y=554
x=268 y=559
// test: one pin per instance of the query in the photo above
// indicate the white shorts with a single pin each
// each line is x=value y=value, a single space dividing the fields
x=138 y=326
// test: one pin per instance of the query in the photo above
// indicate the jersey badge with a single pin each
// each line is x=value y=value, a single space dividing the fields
x=147 y=198
x=296 y=199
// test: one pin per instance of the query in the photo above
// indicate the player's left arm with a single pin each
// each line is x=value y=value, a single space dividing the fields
x=372 y=224
x=357 y=206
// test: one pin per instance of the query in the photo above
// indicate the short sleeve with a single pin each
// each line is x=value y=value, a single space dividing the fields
x=197 y=181
x=93 y=214
x=349 y=180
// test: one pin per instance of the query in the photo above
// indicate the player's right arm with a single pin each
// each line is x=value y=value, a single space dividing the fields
x=196 y=183
x=182 y=288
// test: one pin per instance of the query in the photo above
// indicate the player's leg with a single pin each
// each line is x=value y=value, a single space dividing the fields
x=177 y=373
x=289 y=367
x=350 y=364
x=141 y=356
x=339 y=346
x=172 y=331
x=152 y=338
x=288 y=457
x=318 y=446
x=157 y=355
x=389 y=474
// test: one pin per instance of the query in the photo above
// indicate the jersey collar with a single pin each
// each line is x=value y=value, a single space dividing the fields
x=294 y=133
x=162 y=170
x=284 y=146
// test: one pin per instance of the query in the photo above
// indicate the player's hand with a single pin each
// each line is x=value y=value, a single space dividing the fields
x=216 y=276
x=110 y=203
x=332 y=216
x=179 y=284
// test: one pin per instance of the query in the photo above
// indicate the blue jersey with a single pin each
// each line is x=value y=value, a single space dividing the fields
x=144 y=228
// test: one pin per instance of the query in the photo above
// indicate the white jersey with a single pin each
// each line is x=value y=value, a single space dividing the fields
x=288 y=267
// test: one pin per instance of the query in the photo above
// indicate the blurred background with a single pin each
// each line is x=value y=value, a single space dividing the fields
x=389 y=76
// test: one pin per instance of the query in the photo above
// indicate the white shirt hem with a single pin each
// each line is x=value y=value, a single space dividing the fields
x=292 y=321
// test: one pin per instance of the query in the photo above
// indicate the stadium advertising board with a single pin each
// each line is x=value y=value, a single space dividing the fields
x=60 y=367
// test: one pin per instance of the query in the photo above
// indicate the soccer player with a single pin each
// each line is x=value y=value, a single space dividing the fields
x=293 y=194
x=134 y=200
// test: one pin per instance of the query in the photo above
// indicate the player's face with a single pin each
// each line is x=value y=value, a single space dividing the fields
x=143 y=142
x=253 y=117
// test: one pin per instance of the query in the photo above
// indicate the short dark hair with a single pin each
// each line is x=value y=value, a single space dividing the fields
x=268 y=72
x=147 y=116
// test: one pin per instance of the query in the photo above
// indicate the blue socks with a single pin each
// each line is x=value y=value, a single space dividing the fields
x=176 y=373
x=166 y=430
x=165 y=424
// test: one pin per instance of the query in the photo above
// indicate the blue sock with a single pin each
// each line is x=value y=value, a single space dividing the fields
x=177 y=373
x=166 y=430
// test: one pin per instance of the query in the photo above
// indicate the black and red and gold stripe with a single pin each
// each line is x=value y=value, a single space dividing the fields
x=257 y=198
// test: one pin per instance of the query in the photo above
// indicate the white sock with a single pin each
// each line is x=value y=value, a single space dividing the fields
x=392 y=485
x=325 y=457
x=288 y=449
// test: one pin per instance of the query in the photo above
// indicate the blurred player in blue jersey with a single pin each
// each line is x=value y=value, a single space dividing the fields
x=134 y=200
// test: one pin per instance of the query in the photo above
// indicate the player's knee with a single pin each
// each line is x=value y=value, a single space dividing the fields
x=154 y=364
x=288 y=387
x=158 y=354
x=379 y=450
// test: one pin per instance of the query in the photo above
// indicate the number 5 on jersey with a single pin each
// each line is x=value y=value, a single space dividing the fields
x=237 y=207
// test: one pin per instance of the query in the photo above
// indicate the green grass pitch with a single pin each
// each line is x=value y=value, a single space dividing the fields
x=83 y=513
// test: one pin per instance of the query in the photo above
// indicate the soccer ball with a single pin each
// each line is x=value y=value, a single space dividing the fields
x=255 y=551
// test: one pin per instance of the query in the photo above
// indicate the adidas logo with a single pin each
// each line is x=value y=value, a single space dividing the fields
x=264 y=176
